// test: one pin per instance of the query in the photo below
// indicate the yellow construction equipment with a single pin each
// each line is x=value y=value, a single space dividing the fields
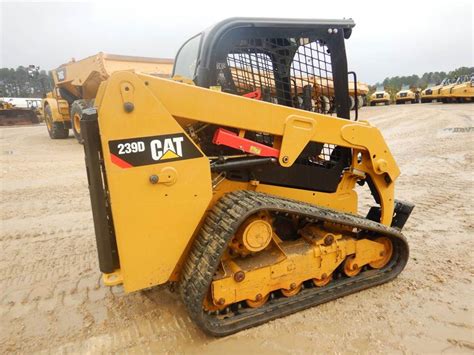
x=234 y=182
x=380 y=96
x=436 y=90
x=76 y=84
x=427 y=94
x=464 y=92
x=460 y=90
x=12 y=115
x=407 y=94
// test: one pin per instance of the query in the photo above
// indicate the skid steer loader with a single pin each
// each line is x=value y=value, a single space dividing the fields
x=230 y=181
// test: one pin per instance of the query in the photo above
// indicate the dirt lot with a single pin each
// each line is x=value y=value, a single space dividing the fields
x=52 y=300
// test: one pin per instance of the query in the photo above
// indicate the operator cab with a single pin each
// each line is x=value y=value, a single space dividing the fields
x=296 y=63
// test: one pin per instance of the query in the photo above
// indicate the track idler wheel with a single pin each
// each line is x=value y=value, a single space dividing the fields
x=326 y=279
x=350 y=268
x=294 y=290
x=386 y=254
x=258 y=302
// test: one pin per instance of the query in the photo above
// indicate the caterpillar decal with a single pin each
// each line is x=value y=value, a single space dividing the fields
x=128 y=153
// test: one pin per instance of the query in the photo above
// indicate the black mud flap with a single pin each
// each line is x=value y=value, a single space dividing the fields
x=401 y=213
x=97 y=180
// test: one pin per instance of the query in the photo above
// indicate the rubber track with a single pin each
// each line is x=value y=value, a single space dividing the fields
x=219 y=227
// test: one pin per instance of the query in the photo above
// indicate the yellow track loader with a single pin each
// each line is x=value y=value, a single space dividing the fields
x=76 y=84
x=235 y=184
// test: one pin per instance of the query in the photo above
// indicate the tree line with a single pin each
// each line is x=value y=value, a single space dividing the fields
x=394 y=84
x=24 y=82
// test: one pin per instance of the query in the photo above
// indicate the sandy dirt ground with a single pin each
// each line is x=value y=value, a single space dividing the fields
x=52 y=299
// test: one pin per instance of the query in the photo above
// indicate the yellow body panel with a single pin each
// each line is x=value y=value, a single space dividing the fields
x=59 y=108
x=155 y=223
x=445 y=91
x=437 y=91
x=464 y=90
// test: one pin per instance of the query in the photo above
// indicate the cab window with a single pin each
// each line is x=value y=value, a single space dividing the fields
x=186 y=60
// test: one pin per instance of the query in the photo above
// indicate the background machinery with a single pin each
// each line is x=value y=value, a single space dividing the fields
x=460 y=89
x=427 y=94
x=380 y=96
x=237 y=182
x=464 y=91
x=407 y=94
x=12 y=115
x=436 y=90
x=76 y=84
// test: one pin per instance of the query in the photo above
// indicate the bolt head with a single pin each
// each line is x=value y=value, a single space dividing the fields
x=154 y=179
x=328 y=240
x=285 y=159
x=128 y=107
x=259 y=297
x=221 y=301
x=292 y=286
x=239 y=276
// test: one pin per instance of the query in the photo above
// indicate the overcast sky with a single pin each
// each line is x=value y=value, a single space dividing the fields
x=390 y=38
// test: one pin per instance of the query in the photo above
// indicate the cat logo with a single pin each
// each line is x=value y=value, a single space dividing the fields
x=61 y=73
x=132 y=152
x=170 y=148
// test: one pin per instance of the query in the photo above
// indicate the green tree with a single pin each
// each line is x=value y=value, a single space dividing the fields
x=23 y=82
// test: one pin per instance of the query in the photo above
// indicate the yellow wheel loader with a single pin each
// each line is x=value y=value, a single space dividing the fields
x=233 y=183
x=407 y=94
x=380 y=96
x=76 y=84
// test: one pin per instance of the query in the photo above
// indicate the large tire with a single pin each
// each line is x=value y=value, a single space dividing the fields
x=352 y=102
x=387 y=103
x=372 y=103
x=360 y=101
x=56 y=130
x=77 y=108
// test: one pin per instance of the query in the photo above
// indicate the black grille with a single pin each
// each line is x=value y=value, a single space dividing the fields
x=286 y=71
x=379 y=96
x=428 y=92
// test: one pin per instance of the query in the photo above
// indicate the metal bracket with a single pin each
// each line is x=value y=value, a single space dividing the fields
x=297 y=133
